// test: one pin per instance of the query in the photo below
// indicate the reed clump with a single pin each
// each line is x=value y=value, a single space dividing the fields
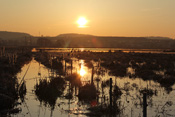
x=48 y=91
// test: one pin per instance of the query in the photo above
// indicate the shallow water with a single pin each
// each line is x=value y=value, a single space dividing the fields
x=162 y=104
x=31 y=105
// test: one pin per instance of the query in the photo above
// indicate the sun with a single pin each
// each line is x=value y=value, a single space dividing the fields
x=82 y=22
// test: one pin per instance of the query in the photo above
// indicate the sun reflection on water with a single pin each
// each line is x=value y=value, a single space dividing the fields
x=82 y=71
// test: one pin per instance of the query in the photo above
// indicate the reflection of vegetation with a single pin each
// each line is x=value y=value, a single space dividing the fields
x=50 y=61
x=48 y=91
x=116 y=68
x=117 y=92
x=75 y=80
x=22 y=91
x=87 y=92
x=88 y=64
x=106 y=83
x=57 y=65
x=149 y=92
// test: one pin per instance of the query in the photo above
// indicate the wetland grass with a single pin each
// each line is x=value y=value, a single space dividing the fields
x=8 y=82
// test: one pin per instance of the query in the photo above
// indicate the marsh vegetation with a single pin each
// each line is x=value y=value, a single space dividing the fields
x=78 y=83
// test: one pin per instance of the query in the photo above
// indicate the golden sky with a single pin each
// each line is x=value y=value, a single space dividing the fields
x=105 y=17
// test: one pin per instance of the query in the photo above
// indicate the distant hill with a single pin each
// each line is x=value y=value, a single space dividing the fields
x=160 y=38
x=73 y=40
x=13 y=35
x=74 y=35
x=16 y=39
x=83 y=40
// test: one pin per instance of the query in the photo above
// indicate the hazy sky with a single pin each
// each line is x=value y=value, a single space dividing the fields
x=105 y=17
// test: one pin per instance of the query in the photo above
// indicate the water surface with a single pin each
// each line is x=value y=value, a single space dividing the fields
x=160 y=102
